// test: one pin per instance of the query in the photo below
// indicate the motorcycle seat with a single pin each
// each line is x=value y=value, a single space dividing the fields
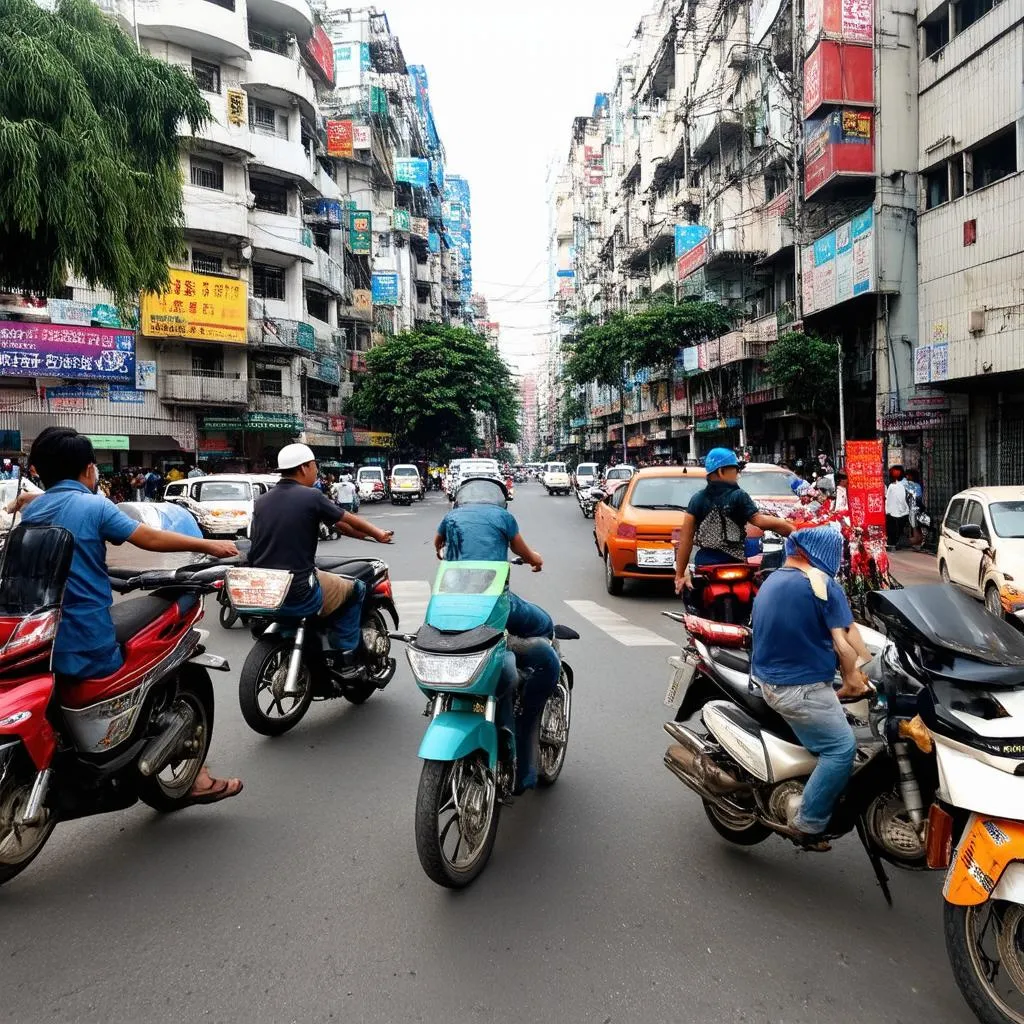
x=434 y=641
x=131 y=617
x=355 y=568
x=738 y=661
x=750 y=700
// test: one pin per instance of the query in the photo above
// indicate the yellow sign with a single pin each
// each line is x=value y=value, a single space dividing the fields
x=236 y=106
x=198 y=307
x=372 y=439
x=361 y=299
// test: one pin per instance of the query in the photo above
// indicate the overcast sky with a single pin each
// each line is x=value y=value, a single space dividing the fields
x=506 y=80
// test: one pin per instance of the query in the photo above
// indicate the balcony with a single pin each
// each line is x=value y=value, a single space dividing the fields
x=276 y=232
x=325 y=271
x=716 y=129
x=291 y=15
x=280 y=79
x=283 y=156
x=204 y=387
x=422 y=273
x=263 y=401
x=276 y=334
x=194 y=24
x=215 y=215
x=219 y=134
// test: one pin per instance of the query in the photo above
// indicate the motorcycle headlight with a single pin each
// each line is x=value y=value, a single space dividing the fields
x=445 y=669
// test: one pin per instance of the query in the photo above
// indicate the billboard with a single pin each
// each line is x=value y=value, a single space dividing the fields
x=838 y=73
x=840 y=265
x=688 y=236
x=865 y=487
x=401 y=220
x=850 y=20
x=360 y=232
x=840 y=143
x=385 y=289
x=362 y=136
x=77 y=353
x=199 y=307
x=340 y=139
x=414 y=171
x=321 y=52
x=692 y=260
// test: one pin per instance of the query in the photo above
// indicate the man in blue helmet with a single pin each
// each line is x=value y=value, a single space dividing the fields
x=717 y=516
x=802 y=623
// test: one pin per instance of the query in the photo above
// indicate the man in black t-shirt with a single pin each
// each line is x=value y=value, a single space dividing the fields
x=285 y=533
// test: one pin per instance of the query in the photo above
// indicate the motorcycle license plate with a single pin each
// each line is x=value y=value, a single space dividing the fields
x=656 y=558
x=682 y=675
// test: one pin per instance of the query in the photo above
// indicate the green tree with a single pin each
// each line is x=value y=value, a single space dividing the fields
x=426 y=387
x=658 y=332
x=90 y=184
x=804 y=368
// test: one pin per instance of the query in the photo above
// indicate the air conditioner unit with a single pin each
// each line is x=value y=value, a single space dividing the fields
x=976 y=321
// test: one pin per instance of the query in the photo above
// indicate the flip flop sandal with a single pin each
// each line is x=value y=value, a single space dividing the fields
x=221 y=789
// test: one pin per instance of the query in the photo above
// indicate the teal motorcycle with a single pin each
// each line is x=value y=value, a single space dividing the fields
x=463 y=660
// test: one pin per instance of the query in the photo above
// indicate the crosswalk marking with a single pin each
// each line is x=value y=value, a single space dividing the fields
x=618 y=627
x=411 y=599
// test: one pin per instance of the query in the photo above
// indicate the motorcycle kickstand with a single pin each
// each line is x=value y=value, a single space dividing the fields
x=876 y=861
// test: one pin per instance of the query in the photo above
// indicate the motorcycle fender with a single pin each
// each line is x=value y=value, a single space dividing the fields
x=389 y=605
x=698 y=693
x=988 y=847
x=23 y=716
x=454 y=735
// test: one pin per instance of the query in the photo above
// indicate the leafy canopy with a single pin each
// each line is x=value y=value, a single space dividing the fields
x=805 y=368
x=426 y=387
x=89 y=178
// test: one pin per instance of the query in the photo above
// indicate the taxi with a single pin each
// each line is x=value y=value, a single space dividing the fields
x=636 y=526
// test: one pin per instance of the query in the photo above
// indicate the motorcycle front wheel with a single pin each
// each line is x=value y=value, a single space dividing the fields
x=19 y=845
x=985 y=945
x=266 y=708
x=457 y=811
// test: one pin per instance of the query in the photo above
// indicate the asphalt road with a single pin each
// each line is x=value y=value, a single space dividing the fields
x=608 y=899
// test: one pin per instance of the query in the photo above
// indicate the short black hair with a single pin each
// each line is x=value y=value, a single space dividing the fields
x=60 y=453
x=841 y=475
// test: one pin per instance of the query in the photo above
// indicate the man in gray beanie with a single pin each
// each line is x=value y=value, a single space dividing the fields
x=802 y=622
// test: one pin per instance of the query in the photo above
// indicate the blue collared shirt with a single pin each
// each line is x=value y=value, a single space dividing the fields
x=86 y=633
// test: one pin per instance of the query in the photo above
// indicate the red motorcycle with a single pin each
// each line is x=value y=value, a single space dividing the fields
x=725 y=593
x=70 y=749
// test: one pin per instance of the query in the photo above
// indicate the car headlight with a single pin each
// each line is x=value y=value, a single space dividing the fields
x=445 y=669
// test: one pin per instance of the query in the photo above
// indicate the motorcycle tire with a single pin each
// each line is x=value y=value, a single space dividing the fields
x=13 y=796
x=267 y=658
x=228 y=616
x=749 y=834
x=965 y=962
x=432 y=799
x=360 y=693
x=552 y=754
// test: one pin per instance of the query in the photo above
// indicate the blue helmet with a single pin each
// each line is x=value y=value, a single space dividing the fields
x=720 y=458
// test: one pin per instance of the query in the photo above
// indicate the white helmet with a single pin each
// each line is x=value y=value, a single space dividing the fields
x=291 y=456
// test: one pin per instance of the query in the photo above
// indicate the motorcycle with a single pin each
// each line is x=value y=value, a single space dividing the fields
x=724 y=593
x=462 y=660
x=289 y=666
x=70 y=749
x=942 y=731
x=588 y=497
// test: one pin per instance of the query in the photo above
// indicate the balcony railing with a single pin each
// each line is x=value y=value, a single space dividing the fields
x=274 y=334
x=202 y=387
x=261 y=401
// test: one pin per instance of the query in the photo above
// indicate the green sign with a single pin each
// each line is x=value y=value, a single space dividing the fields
x=378 y=101
x=360 y=232
x=222 y=423
x=109 y=442
x=284 y=421
x=709 y=426
x=402 y=219
x=306 y=337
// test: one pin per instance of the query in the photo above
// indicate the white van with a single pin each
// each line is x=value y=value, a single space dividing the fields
x=222 y=503
x=370 y=483
x=555 y=478
x=406 y=482
x=586 y=475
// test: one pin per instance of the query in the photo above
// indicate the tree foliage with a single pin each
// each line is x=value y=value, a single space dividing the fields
x=805 y=367
x=427 y=386
x=89 y=177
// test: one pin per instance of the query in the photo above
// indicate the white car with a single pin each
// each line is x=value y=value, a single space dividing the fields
x=556 y=478
x=406 y=483
x=370 y=483
x=586 y=475
x=462 y=469
x=222 y=503
x=615 y=477
x=9 y=490
x=981 y=547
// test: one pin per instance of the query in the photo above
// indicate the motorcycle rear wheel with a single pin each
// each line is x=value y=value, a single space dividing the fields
x=264 y=669
x=228 y=616
x=555 y=721
x=19 y=846
x=742 y=830
x=169 y=789
x=383 y=670
x=457 y=798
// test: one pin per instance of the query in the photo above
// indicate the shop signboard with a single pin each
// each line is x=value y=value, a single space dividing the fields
x=865 y=486
x=109 y=442
x=274 y=421
x=226 y=423
x=420 y=227
x=689 y=235
x=371 y=439
x=236 y=107
x=401 y=219
x=336 y=424
x=360 y=232
x=198 y=307
x=75 y=353
x=850 y=20
x=121 y=394
x=321 y=52
x=340 y=139
x=362 y=137
x=385 y=289
x=726 y=423
x=838 y=74
x=693 y=259
x=66 y=311
x=413 y=171
x=840 y=143
x=840 y=265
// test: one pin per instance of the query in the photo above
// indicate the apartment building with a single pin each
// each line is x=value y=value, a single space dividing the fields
x=302 y=234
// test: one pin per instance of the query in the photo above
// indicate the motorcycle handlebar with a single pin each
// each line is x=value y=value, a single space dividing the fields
x=125 y=581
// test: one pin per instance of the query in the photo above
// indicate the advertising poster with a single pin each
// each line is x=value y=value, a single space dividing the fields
x=385 y=289
x=923 y=364
x=839 y=265
x=692 y=260
x=145 y=374
x=198 y=307
x=401 y=219
x=689 y=235
x=362 y=137
x=865 y=486
x=420 y=227
x=340 y=139
x=360 y=232
x=413 y=171
x=121 y=394
x=236 y=107
x=66 y=311
x=56 y=350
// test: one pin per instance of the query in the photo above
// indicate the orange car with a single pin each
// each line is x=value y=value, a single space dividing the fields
x=635 y=526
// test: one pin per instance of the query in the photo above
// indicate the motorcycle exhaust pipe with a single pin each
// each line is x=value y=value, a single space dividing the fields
x=159 y=751
x=689 y=759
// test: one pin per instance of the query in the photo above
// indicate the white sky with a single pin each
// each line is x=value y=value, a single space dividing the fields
x=506 y=80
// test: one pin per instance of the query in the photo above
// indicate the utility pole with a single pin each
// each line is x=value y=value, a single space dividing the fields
x=842 y=410
x=796 y=97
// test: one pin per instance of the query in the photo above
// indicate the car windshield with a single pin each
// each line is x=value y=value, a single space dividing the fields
x=767 y=483
x=224 y=490
x=1008 y=518
x=405 y=471
x=587 y=469
x=665 y=492
x=556 y=467
x=619 y=474
x=371 y=474
x=475 y=468
x=8 y=490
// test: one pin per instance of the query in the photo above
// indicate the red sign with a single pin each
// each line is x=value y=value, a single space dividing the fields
x=321 y=51
x=838 y=73
x=842 y=143
x=852 y=20
x=691 y=260
x=864 y=488
x=336 y=424
x=340 y=139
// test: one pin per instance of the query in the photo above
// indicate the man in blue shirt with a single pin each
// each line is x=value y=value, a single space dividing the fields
x=717 y=516
x=802 y=622
x=85 y=646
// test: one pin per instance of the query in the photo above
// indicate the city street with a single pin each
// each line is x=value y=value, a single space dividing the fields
x=608 y=899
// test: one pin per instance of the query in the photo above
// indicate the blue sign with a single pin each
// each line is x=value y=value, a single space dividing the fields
x=434 y=241
x=566 y=273
x=10 y=440
x=77 y=391
x=688 y=236
x=413 y=170
x=126 y=395
x=329 y=210
x=385 y=289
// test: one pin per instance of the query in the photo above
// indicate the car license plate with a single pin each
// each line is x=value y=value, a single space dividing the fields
x=682 y=675
x=658 y=558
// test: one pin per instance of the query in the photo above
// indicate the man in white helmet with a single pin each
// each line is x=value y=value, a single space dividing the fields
x=285 y=531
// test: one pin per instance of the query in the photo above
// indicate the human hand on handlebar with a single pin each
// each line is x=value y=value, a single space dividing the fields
x=221 y=548
x=537 y=565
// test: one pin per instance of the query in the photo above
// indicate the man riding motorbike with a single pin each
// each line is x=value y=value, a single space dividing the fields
x=717 y=517
x=285 y=532
x=480 y=528
x=86 y=646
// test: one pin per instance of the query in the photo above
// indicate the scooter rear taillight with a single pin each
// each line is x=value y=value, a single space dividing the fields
x=383 y=589
x=31 y=633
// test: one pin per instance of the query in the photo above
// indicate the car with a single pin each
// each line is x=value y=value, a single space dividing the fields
x=369 y=483
x=462 y=469
x=616 y=476
x=636 y=525
x=9 y=490
x=222 y=503
x=586 y=475
x=406 y=484
x=981 y=547
x=556 y=478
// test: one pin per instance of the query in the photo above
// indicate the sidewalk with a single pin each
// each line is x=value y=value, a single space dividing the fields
x=912 y=568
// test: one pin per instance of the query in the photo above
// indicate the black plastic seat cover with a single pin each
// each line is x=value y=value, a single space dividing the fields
x=749 y=699
x=566 y=633
x=131 y=617
x=355 y=568
x=435 y=641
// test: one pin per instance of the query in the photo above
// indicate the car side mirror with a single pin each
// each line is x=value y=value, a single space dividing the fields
x=971 y=531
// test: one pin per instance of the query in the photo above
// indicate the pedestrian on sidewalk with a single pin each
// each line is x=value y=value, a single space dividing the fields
x=897 y=507
x=913 y=483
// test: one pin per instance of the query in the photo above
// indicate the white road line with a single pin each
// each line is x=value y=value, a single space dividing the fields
x=618 y=627
x=411 y=599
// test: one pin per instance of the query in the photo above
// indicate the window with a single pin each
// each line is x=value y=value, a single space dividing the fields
x=322 y=238
x=664 y=492
x=207 y=362
x=1008 y=518
x=270 y=196
x=268 y=282
x=994 y=159
x=268 y=380
x=969 y=11
x=207 y=174
x=207 y=262
x=207 y=76
x=263 y=119
x=975 y=516
x=936 y=186
x=955 y=514
x=224 y=490
x=316 y=305
x=956 y=176
x=268 y=39
x=936 y=33
x=616 y=499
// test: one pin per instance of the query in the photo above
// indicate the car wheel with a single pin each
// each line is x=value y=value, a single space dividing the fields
x=944 y=572
x=612 y=583
x=992 y=601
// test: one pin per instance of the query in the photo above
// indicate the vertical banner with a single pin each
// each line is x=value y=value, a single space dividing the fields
x=865 y=487
x=360 y=237
x=340 y=139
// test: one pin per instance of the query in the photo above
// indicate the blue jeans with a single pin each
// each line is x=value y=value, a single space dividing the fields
x=343 y=625
x=816 y=716
x=526 y=619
